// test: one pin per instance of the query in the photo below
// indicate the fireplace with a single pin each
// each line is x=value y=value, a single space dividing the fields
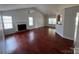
x=21 y=27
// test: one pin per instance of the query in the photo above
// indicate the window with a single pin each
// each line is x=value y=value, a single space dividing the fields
x=30 y=21
x=7 y=20
x=52 y=21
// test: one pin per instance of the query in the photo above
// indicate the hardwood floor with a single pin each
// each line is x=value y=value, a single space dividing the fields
x=38 y=41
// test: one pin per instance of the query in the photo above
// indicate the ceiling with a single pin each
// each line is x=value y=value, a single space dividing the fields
x=49 y=9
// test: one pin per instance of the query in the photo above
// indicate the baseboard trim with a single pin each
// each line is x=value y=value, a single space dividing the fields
x=68 y=38
x=26 y=30
x=59 y=34
x=50 y=27
x=64 y=36
x=16 y=32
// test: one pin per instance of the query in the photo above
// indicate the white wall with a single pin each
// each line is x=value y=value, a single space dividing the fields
x=21 y=17
x=38 y=20
x=46 y=17
x=11 y=13
x=69 y=22
x=68 y=26
x=60 y=27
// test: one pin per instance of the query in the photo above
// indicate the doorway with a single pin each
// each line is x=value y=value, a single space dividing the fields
x=76 y=35
x=2 y=41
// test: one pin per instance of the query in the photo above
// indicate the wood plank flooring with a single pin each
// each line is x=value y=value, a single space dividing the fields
x=43 y=40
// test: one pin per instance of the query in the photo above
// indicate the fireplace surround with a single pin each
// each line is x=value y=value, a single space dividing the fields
x=21 y=27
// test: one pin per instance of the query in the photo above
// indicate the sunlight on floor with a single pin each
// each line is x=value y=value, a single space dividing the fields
x=51 y=31
x=11 y=44
x=31 y=36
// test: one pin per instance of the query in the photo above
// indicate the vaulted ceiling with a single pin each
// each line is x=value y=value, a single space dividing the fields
x=49 y=9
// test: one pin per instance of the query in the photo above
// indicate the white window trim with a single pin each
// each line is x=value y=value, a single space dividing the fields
x=32 y=21
x=6 y=28
x=49 y=22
